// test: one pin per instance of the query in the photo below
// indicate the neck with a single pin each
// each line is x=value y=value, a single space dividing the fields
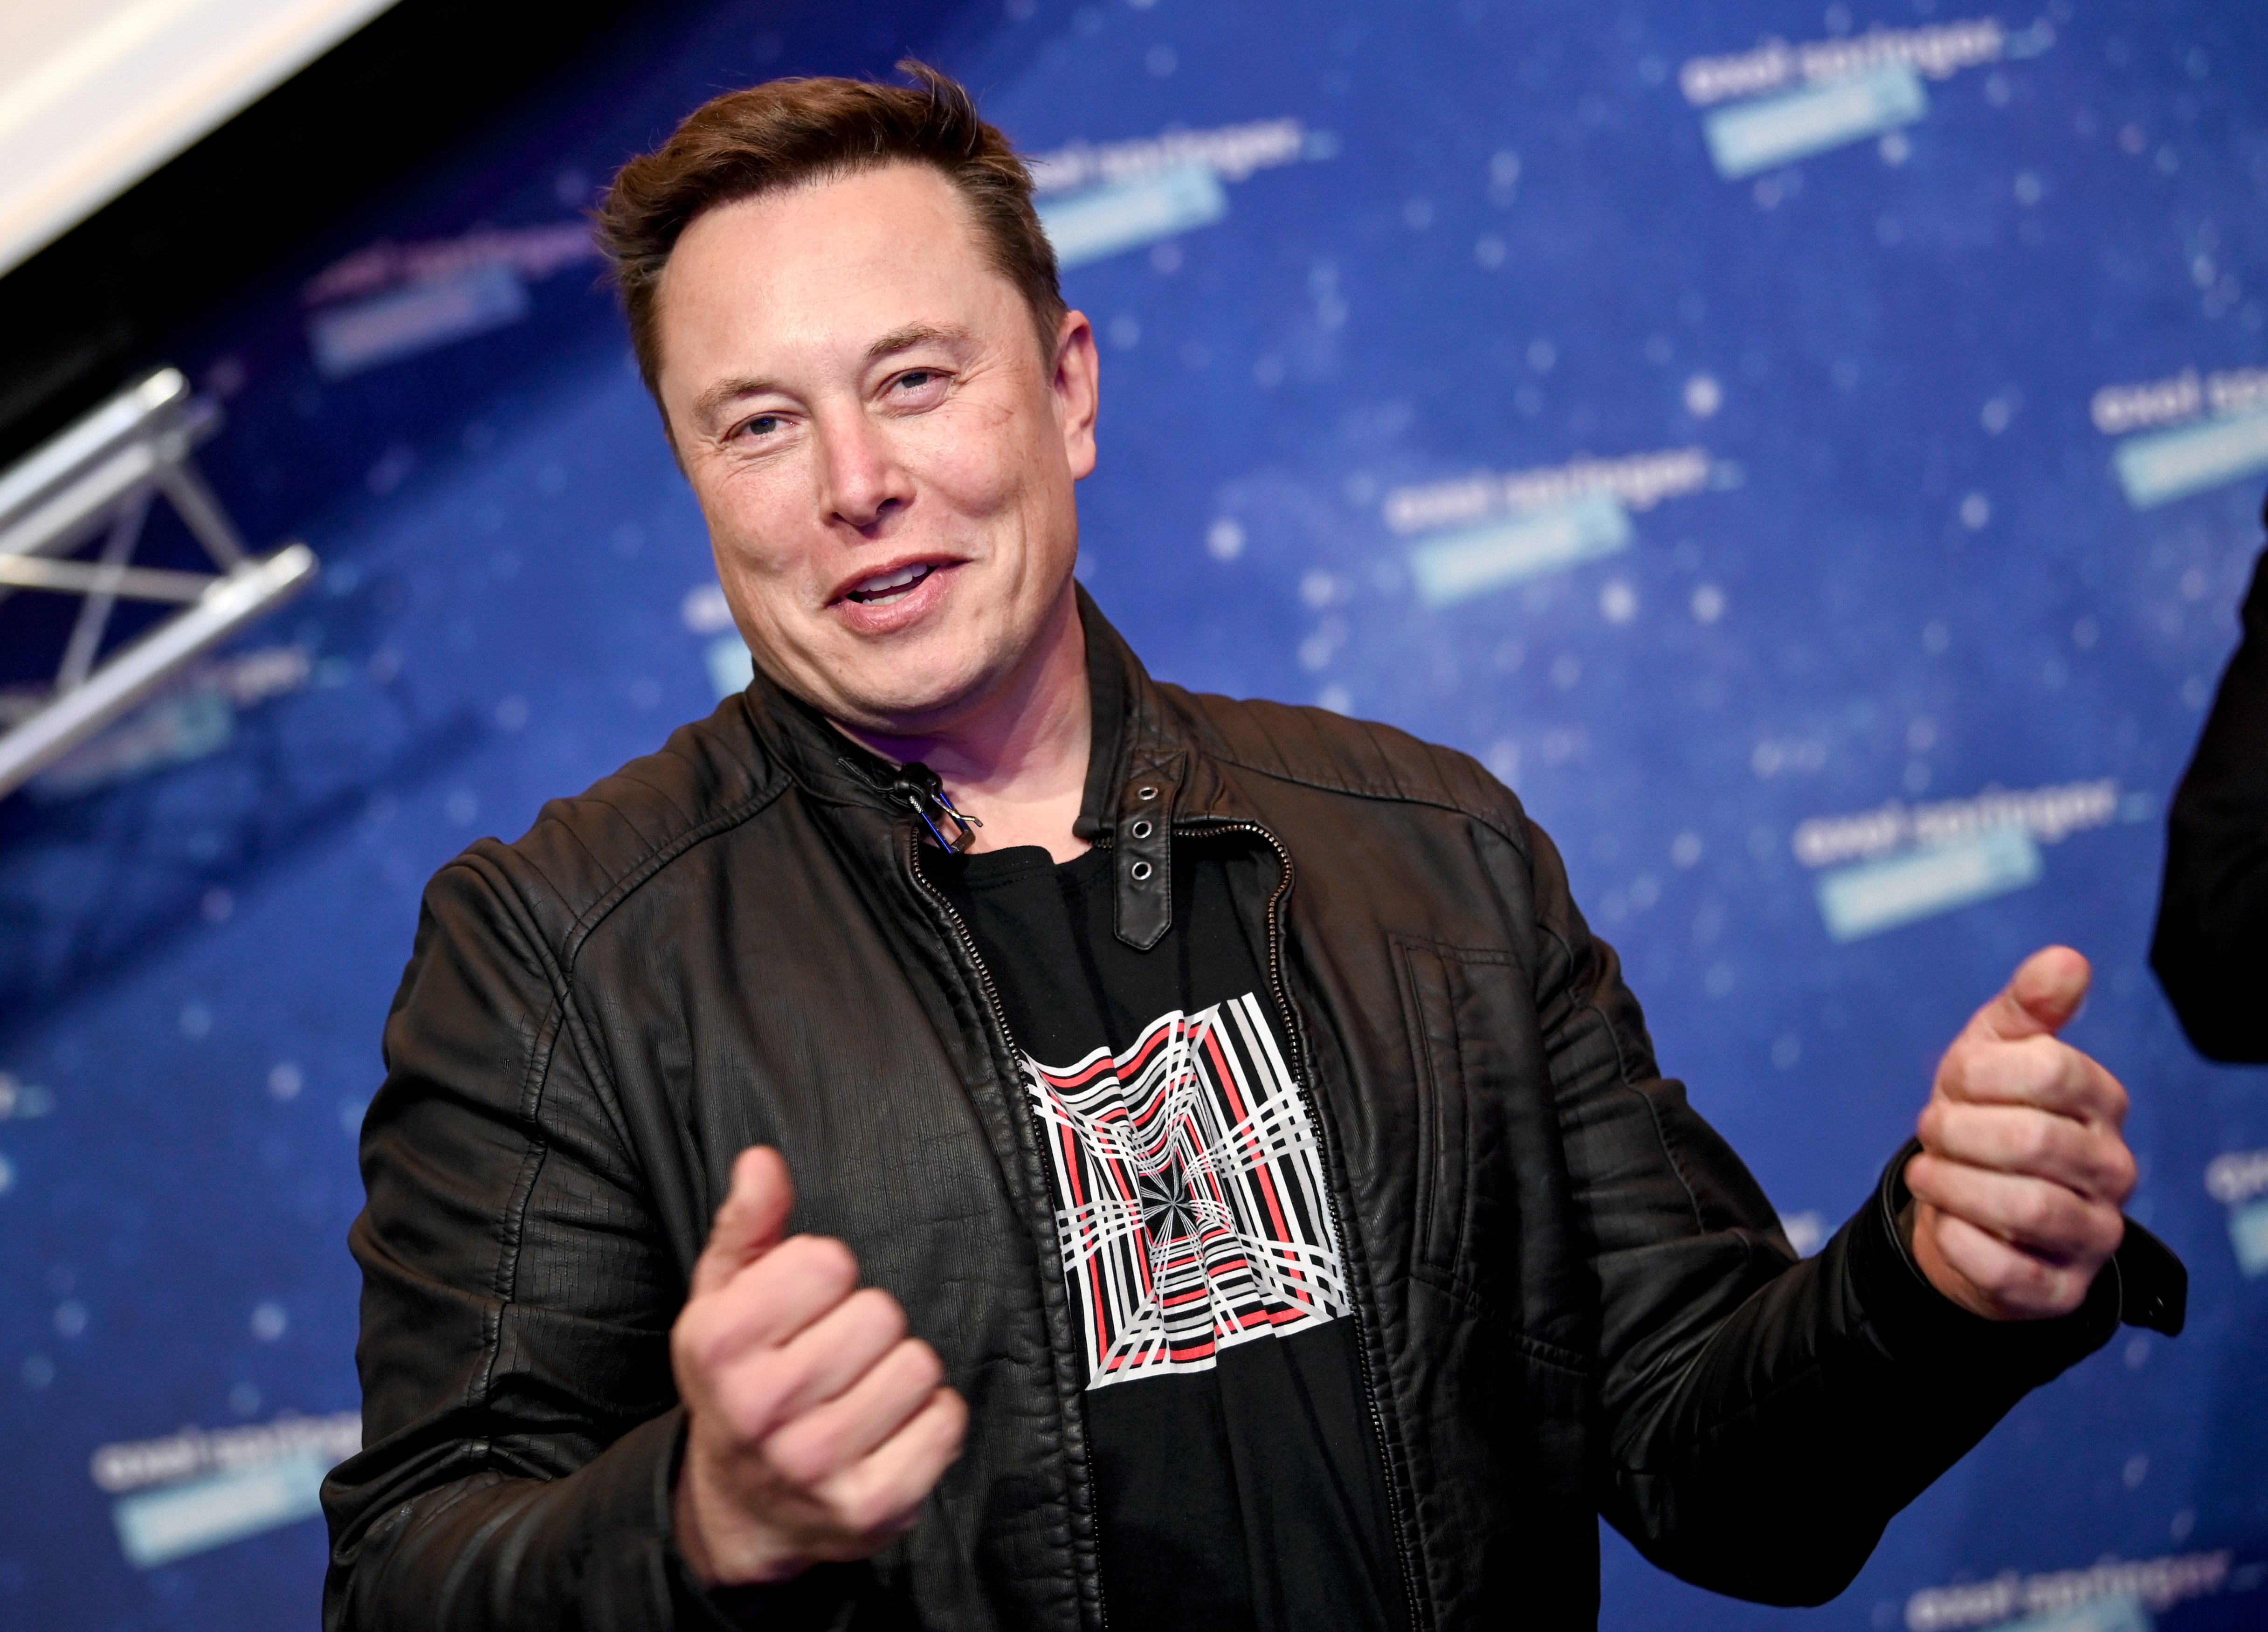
x=1018 y=762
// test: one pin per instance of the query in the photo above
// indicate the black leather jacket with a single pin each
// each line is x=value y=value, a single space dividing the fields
x=2211 y=949
x=1572 y=1297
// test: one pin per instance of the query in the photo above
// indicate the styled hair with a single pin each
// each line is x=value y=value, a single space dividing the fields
x=788 y=132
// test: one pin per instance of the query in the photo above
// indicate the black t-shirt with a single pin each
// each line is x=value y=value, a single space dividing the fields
x=1238 y=1479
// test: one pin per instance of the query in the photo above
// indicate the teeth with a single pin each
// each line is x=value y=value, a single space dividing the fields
x=885 y=586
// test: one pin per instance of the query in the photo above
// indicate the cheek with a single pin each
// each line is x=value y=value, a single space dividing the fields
x=974 y=456
x=758 y=522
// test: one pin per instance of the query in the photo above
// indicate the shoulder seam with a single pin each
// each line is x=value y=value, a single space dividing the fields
x=580 y=929
x=1192 y=705
x=1393 y=796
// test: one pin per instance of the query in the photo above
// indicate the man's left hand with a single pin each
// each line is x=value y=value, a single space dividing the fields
x=2022 y=1173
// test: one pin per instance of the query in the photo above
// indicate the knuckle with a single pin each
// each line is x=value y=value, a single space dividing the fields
x=2035 y=1208
x=868 y=1506
x=923 y=1367
x=2034 y=1138
x=743 y=1419
x=884 y=1311
x=697 y=1340
x=2023 y=1069
x=741 y=1412
x=2109 y=1231
x=802 y=1453
x=832 y=1261
x=1996 y=1277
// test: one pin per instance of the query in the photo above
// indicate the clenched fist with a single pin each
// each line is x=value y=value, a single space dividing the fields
x=816 y=1425
x=2022 y=1172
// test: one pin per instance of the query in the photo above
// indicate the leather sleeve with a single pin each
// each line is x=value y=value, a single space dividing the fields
x=519 y=1430
x=2211 y=952
x=1762 y=1417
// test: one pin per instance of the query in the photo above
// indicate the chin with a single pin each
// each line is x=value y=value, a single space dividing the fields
x=905 y=702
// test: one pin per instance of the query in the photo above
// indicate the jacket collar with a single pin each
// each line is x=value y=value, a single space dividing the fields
x=1143 y=771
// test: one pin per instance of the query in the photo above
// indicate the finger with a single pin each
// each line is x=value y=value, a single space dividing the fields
x=2035 y=1215
x=882 y=1493
x=2039 y=999
x=829 y=1438
x=765 y=1305
x=2019 y=1139
x=766 y=1387
x=2015 y=1284
x=2038 y=1071
x=751 y=1221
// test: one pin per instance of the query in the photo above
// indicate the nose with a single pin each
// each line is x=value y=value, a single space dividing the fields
x=862 y=485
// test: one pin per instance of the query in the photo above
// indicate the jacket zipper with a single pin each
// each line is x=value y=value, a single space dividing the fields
x=1039 y=1138
x=1304 y=1076
x=1295 y=1039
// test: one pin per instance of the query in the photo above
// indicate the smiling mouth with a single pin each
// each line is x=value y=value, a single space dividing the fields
x=888 y=586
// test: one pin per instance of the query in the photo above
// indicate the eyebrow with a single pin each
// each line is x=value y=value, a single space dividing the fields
x=725 y=392
x=914 y=335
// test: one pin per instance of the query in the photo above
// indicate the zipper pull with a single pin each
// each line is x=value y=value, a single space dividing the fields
x=919 y=789
x=961 y=818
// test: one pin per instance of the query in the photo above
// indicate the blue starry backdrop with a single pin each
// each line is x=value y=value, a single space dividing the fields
x=1811 y=455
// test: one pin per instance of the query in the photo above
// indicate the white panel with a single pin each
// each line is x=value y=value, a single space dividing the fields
x=96 y=94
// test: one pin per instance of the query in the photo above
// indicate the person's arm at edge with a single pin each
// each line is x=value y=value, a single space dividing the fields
x=2211 y=948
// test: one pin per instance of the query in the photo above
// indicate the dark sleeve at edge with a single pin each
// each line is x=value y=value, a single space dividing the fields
x=2211 y=949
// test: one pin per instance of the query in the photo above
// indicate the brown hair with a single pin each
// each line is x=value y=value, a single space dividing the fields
x=789 y=131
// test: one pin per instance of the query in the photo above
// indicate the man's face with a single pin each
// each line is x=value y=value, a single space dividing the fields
x=883 y=451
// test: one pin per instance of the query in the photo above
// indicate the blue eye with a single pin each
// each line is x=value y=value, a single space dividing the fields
x=762 y=425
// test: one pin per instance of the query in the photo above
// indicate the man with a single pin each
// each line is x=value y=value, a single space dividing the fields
x=2211 y=949
x=1268 y=1209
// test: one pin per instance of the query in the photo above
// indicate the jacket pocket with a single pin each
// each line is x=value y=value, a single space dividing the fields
x=1471 y=1025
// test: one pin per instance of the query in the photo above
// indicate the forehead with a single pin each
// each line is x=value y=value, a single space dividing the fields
x=827 y=263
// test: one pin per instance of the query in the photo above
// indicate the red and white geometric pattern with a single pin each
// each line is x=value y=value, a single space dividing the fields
x=1190 y=1195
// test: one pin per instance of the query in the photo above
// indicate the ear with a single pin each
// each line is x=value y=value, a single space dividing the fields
x=1076 y=388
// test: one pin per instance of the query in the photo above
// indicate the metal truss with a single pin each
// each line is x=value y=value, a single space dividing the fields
x=92 y=486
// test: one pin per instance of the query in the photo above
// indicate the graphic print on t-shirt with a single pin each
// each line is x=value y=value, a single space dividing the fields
x=1189 y=1194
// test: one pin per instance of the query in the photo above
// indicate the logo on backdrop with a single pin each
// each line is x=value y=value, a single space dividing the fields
x=2219 y=430
x=1904 y=863
x=200 y=1488
x=2238 y=1179
x=1101 y=199
x=1499 y=528
x=2114 y=1585
x=1786 y=102
x=724 y=655
x=392 y=301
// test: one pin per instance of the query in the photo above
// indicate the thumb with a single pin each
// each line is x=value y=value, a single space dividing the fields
x=2040 y=998
x=751 y=1221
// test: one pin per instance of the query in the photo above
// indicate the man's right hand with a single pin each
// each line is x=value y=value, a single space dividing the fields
x=816 y=1426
